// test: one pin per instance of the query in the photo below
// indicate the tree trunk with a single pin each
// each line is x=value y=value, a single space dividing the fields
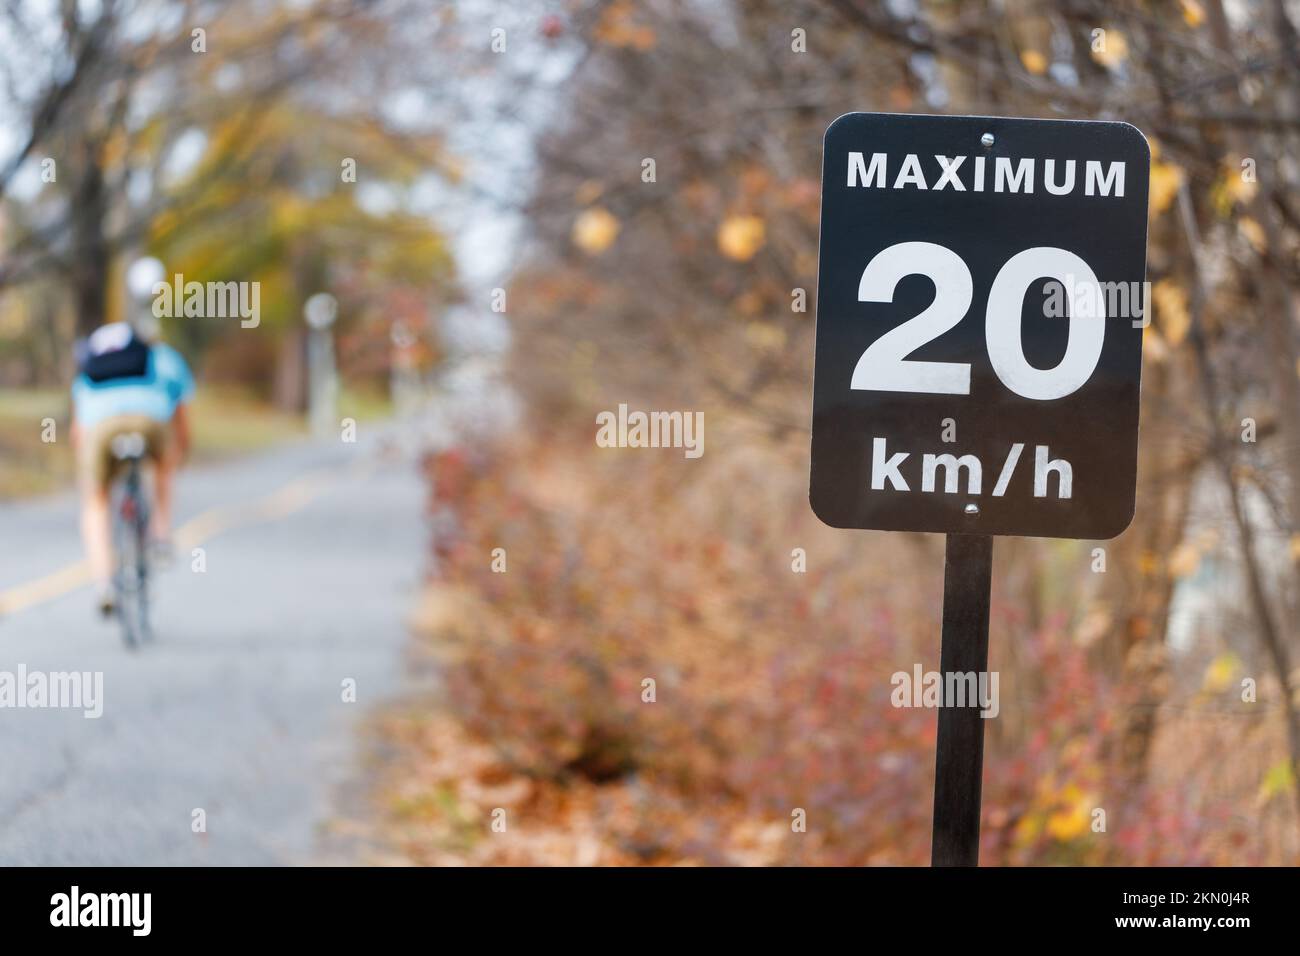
x=291 y=371
x=90 y=254
x=1138 y=586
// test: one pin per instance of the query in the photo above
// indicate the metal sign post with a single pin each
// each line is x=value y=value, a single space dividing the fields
x=320 y=311
x=959 y=753
x=980 y=307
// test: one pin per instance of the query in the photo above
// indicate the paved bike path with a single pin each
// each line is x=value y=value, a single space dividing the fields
x=313 y=555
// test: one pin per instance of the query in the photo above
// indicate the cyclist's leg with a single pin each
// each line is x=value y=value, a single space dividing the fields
x=162 y=451
x=95 y=533
x=94 y=468
x=173 y=443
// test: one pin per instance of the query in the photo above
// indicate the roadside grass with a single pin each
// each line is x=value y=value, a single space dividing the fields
x=364 y=404
x=29 y=465
x=227 y=422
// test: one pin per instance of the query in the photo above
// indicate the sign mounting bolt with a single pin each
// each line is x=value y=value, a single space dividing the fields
x=972 y=509
x=987 y=140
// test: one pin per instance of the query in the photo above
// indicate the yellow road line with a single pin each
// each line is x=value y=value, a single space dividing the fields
x=280 y=503
x=44 y=589
x=284 y=501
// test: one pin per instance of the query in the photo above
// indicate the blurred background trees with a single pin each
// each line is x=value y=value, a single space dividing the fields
x=244 y=141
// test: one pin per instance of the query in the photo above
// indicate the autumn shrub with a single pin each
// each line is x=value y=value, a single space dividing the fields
x=646 y=641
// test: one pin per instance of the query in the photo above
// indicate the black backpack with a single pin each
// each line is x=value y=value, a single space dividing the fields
x=128 y=361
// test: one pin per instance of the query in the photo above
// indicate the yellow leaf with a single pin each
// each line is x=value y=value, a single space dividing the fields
x=1065 y=825
x=1219 y=675
x=1253 y=232
x=1166 y=178
x=595 y=230
x=1154 y=348
x=740 y=237
x=1070 y=821
x=1184 y=561
x=765 y=336
x=1193 y=13
x=1027 y=830
x=1114 y=50
x=1279 y=779
x=1172 y=315
x=1034 y=62
x=1237 y=186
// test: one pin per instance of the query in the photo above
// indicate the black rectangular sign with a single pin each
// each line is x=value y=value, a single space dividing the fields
x=980 y=309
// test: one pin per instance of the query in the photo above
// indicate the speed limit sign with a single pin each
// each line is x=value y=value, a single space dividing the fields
x=980 y=307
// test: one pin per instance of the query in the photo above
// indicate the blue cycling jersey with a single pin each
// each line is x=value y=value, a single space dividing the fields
x=166 y=383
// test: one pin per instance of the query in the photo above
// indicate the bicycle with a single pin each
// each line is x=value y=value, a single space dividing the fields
x=130 y=511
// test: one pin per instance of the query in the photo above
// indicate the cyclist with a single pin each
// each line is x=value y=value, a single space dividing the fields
x=126 y=385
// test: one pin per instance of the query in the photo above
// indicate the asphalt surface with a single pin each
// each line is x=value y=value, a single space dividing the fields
x=313 y=554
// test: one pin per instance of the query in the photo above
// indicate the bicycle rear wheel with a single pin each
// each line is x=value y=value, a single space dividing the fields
x=131 y=580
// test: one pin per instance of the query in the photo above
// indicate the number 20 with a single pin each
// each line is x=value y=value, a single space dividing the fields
x=884 y=366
